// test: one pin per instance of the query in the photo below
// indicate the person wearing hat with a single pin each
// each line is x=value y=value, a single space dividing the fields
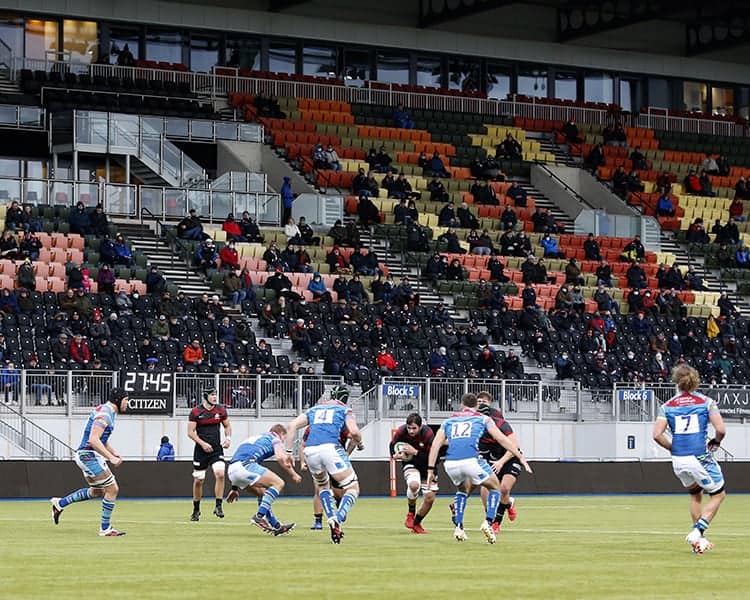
x=206 y=256
x=160 y=329
x=190 y=227
x=92 y=456
x=387 y=365
x=155 y=282
x=439 y=362
x=79 y=220
x=300 y=339
x=166 y=450
x=79 y=351
x=204 y=428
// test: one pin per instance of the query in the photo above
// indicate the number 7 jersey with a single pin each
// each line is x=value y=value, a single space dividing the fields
x=687 y=416
x=463 y=431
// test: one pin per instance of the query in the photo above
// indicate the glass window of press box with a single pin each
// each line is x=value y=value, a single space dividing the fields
x=498 y=81
x=722 y=101
x=356 y=64
x=598 y=87
x=41 y=39
x=393 y=67
x=694 y=96
x=532 y=82
x=242 y=53
x=566 y=85
x=164 y=46
x=81 y=40
x=429 y=71
x=204 y=53
x=463 y=75
x=282 y=58
x=120 y=37
x=319 y=61
x=12 y=33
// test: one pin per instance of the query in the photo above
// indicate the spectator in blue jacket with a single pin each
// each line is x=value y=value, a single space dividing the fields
x=318 y=288
x=742 y=256
x=226 y=331
x=10 y=381
x=401 y=118
x=166 y=451
x=287 y=197
x=664 y=206
x=206 y=256
x=79 y=220
x=551 y=249
x=123 y=256
x=439 y=362
x=437 y=168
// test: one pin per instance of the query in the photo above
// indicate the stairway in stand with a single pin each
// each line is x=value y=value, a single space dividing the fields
x=543 y=202
x=174 y=268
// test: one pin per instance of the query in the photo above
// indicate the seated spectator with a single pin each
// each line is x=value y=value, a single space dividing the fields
x=573 y=273
x=250 y=230
x=447 y=216
x=518 y=195
x=692 y=184
x=595 y=159
x=192 y=355
x=417 y=239
x=300 y=339
x=160 y=328
x=190 y=227
x=694 y=281
x=439 y=362
x=318 y=156
x=508 y=219
x=726 y=306
x=664 y=206
x=638 y=159
x=230 y=258
x=367 y=211
x=620 y=182
x=664 y=182
x=604 y=274
x=455 y=271
x=451 y=241
x=696 y=233
x=551 y=249
x=723 y=164
x=436 y=167
x=437 y=190
x=318 y=289
x=383 y=162
x=79 y=351
x=636 y=277
x=387 y=365
x=591 y=248
x=401 y=118
x=206 y=256
x=26 y=277
x=476 y=245
x=564 y=367
x=634 y=251
x=484 y=194
x=570 y=131
x=155 y=282
x=29 y=246
x=707 y=188
x=509 y=148
x=737 y=210
x=292 y=232
x=709 y=165
x=123 y=256
x=307 y=234
x=233 y=229
x=742 y=257
x=9 y=246
x=400 y=212
x=741 y=190
x=332 y=158
x=232 y=287
x=634 y=183
x=79 y=220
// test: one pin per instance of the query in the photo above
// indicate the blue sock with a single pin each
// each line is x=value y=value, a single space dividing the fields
x=326 y=499
x=460 y=503
x=107 y=508
x=77 y=496
x=701 y=525
x=268 y=498
x=493 y=501
x=347 y=501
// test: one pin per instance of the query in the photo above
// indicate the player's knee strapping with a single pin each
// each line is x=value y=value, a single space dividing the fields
x=349 y=482
x=104 y=483
x=321 y=479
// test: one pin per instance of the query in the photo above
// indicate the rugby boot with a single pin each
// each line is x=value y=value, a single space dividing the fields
x=409 y=523
x=56 y=510
x=512 y=514
x=110 y=532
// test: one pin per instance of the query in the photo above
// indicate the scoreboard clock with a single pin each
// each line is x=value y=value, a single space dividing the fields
x=149 y=393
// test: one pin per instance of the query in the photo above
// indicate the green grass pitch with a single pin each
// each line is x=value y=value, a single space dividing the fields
x=559 y=547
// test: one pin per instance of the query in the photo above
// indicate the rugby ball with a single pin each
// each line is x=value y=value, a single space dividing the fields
x=399 y=447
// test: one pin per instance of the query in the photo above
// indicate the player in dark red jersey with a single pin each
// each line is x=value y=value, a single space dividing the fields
x=411 y=445
x=204 y=429
x=503 y=463
x=337 y=490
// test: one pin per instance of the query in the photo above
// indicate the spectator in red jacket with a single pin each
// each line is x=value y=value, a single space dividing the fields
x=230 y=259
x=233 y=229
x=79 y=350
x=736 y=210
x=387 y=365
x=693 y=184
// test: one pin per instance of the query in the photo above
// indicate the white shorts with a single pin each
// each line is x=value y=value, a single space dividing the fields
x=477 y=470
x=327 y=458
x=243 y=475
x=706 y=473
x=413 y=474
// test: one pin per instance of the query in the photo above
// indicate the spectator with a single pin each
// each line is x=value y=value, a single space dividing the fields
x=98 y=222
x=436 y=166
x=483 y=194
x=620 y=182
x=595 y=159
x=166 y=450
x=439 y=362
x=26 y=277
x=250 y=230
x=741 y=190
x=287 y=198
x=160 y=329
x=332 y=158
x=591 y=248
x=709 y=165
x=383 y=162
x=455 y=271
x=692 y=184
x=551 y=249
x=437 y=190
x=387 y=365
x=192 y=355
x=155 y=282
x=696 y=233
x=232 y=229
x=508 y=219
x=79 y=351
x=451 y=241
x=573 y=273
x=694 y=281
x=509 y=148
x=79 y=220
x=230 y=258
x=98 y=329
x=664 y=206
x=742 y=257
x=518 y=194
x=736 y=210
x=634 y=251
x=205 y=256
x=401 y=118
x=190 y=227
x=564 y=367
x=336 y=261
x=367 y=211
x=639 y=160
x=232 y=287
x=318 y=288
x=30 y=246
x=10 y=381
x=447 y=216
x=570 y=131
x=123 y=256
x=14 y=218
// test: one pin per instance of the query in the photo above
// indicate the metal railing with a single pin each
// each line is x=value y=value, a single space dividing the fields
x=240 y=181
x=123 y=200
x=32 y=439
x=22 y=117
x=225 y=79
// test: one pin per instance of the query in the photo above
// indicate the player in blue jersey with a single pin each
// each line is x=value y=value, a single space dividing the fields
x=462 y=432
x=687 y=415
x=326 y=457
x=92 y=456
x=246 y=471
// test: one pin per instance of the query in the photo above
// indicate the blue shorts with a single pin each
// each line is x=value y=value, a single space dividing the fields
x=92 y=464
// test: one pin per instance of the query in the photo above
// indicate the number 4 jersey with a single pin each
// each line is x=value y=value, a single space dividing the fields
x=326 y=421
x=463 y=431
x=687 y=416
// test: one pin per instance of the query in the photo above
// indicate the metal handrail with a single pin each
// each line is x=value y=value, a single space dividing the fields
x=564 y=185
x=161 y=234
x=24 y=438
